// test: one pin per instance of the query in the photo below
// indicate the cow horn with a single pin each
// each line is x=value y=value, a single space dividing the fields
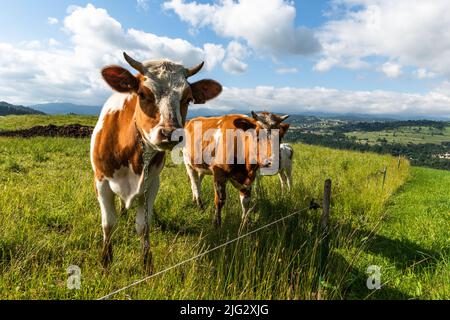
x=135 y=64
x=284 y=117
x=194 y=70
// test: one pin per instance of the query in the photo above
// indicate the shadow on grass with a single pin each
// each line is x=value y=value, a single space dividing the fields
x=354 y=283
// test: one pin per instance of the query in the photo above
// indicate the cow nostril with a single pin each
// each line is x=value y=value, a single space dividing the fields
x=166 y=133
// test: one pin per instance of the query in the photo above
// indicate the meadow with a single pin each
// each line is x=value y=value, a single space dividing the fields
x=50 y=220
x=404 y=135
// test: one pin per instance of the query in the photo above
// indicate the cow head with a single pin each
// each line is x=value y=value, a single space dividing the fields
x=163 y=94
x=271 y=121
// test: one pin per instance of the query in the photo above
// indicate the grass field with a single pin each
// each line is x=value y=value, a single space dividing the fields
x=50 y=220
x=25 y=122
x=412 y=245
x=404 y=135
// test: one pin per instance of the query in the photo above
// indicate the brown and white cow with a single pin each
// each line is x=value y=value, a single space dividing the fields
x=206 y=136
x=143 y=113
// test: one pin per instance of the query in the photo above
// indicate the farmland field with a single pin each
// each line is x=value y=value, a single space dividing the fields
x=404 y=135
x=21 y=122
x=50 y=220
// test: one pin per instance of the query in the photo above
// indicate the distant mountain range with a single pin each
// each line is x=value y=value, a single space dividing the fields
x=67 y=108
x=7 y=109
x=70 y=108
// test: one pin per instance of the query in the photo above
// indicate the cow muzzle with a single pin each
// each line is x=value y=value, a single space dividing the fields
x=164 y=136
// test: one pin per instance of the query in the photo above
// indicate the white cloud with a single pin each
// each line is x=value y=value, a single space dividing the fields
x=236 y=53
x=214 y=55
x=52 y=21
x=391 y=69
x=412 y=32
x=52 y=42
x=266 y=25
x=43 y=71
x=423 y=73
x=287 y=70
x=143 y=4
x=318 y=99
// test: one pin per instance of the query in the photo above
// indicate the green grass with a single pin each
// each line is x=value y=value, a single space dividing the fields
x=412 y=245
x=50 y=220
x=405 y=135
x=28 y=121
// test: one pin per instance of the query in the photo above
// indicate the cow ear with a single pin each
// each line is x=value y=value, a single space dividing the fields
x=283 y=129
x=244 y=124
x=205 y=90
x=120 y=79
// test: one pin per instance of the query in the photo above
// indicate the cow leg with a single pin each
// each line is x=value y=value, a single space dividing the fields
x=143 y=223
x=105 y=198
x=282 y=176
x=196 y=185
x=289 y=177
x=219 y=195
x=245 y=196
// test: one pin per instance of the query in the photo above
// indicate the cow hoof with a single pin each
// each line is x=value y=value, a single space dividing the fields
x=107 y=256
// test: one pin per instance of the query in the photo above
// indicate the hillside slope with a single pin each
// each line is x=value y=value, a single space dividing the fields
x=412 y=245
x=10 y=109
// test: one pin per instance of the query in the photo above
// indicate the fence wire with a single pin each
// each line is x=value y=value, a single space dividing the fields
x=217 y=247
x=201 y=254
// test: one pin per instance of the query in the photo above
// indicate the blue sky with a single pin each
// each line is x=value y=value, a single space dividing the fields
x=363 y=56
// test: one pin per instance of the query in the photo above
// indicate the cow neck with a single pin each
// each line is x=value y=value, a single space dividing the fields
x=148 y=153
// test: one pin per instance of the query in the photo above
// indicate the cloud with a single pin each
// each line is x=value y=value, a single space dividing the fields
x=233 y=63
x=44 y=71
x=214 y=55
x=142 y=4
x=391 y=69
x=318 y=99
x=52 y=21
x=287 y=70
x=267 y=26
x=423 y=73
x=413 y=33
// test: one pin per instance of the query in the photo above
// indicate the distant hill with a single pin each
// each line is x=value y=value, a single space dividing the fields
x=66 y=108
x=211 y=112
x=8 y=109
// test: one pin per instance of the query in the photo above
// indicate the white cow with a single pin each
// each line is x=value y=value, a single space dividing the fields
x=270 y=121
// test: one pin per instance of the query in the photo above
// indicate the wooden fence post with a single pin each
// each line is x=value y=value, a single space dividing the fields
x=399 y=161
x=324 y=226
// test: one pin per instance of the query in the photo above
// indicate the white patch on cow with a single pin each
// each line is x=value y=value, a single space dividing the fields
x=245 y=203
x=167 y=81
x=108 y=210
x=126 y=184
x=115 y=102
